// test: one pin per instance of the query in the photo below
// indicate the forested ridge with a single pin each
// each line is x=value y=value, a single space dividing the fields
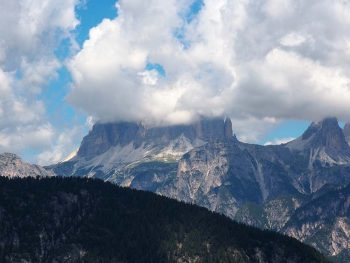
x=86 y=220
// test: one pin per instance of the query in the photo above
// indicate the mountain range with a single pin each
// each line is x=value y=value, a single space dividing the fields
x=271 y=187
x=205 y=164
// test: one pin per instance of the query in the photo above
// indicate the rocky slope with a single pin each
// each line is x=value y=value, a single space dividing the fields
x=203 y=163
x=12 y=166
x=82 y=220
x=255 y=183
x=325 y=223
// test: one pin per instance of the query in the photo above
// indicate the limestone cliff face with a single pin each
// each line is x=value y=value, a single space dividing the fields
x=102 y=137
x=12 y=166
x=202 y=178
x=111 y=148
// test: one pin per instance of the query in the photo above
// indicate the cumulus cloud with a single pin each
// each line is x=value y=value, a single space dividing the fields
x=29 y=35
x=61 y=148
x=258 y=62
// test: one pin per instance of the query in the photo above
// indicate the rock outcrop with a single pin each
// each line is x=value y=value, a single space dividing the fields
x=12 y=166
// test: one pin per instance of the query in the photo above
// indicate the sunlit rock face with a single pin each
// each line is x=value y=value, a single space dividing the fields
x=13 y=166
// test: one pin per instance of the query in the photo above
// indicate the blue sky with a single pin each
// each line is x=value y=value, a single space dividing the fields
x=61 y=114
x=264 y=65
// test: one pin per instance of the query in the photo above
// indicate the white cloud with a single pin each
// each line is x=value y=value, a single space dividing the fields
x=61 y=147
x=30 y=31
x=279 y=141
x=293 y=40
x=255 y=61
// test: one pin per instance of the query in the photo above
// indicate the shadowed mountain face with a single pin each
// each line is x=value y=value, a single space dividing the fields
x=202 y=163
x=347 y=132
x=82 y=220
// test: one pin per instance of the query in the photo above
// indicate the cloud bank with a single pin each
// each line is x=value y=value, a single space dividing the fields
x=30 y=31
x=258 y=62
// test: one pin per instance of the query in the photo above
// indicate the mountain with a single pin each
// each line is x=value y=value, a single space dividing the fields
x=12 y=166
x=204 y=164
x=347 y=132
x=83 y=220
x=109 y=150
x=230 y=176
x=325 y=223
x=324 y=141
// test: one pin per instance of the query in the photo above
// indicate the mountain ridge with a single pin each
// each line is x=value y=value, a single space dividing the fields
x=84 y=220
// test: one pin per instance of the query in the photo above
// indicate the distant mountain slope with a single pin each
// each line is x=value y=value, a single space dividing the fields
x=325 y=223
x=82 y=220
x=12 y=166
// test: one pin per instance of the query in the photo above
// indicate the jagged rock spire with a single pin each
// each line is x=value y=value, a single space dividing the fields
x=228 y=128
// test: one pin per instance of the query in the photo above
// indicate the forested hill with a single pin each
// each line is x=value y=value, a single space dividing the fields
x=84 y=220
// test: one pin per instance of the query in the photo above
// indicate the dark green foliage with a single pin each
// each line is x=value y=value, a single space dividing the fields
x=84 y=220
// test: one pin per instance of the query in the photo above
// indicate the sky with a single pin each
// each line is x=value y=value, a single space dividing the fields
x=273 y=66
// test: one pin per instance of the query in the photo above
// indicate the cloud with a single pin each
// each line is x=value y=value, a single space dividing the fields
x=279 y=141
x=61 y=147
x=255 y=61
x=30 y=31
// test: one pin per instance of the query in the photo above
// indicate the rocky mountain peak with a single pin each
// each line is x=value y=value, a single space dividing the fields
x=104 y=136
x=325 y=134
x=12 y=165
x=228 y=129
